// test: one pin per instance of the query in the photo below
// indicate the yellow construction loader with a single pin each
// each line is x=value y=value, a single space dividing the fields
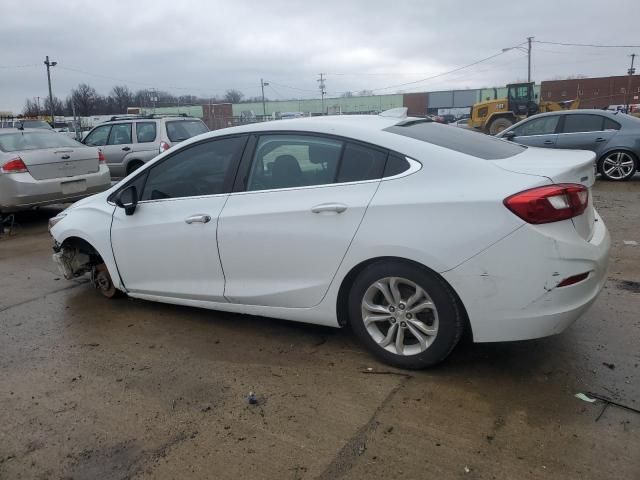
x=493 y=116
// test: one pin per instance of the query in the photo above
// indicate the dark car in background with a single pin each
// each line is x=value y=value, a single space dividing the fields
x=613 y=136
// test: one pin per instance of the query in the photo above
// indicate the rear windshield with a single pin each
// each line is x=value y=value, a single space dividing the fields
x=459 y=139
x=180 y=130
x=17 y=141
x=35 y=124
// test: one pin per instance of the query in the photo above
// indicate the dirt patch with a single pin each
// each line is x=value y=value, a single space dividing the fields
x=628 y=285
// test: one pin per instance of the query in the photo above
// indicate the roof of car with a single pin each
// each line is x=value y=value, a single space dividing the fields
x=591 y=111
x=16 y=130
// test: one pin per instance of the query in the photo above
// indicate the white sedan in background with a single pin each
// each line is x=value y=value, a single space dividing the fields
x=406 y=230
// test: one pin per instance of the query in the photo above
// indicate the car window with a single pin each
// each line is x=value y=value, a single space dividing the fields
x=538 y=126
x=120 y=134
x=145 y=132
x=200 y=169
x=180 y=130
x=98 y=136
x=396 y=164
x=283 y=161
x=582 y=123
x=361 y=163
x=460 y=140
x=611 y=124
x=13 y=142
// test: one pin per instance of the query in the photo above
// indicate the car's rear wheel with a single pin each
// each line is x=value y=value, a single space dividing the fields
x=618 y=166
x=405 y=315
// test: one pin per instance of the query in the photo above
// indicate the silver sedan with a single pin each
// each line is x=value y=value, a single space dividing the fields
x=41 y=167
x=614 y=137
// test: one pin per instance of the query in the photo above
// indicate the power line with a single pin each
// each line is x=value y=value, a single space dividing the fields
x=586 y=45
x=19 y=66
x=444 y=73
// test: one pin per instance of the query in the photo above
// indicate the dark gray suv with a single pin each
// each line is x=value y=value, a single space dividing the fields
x=129 y=141
x=613 y=136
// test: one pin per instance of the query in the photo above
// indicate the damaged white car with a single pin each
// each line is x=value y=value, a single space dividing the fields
x=405 y=230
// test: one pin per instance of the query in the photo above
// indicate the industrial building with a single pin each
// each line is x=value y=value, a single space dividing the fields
x=593 y=93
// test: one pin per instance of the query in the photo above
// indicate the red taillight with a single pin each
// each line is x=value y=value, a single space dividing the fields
x=164 y=146
x=15 y=165
x=573 y=280
x=101 y=158
x=549 y=204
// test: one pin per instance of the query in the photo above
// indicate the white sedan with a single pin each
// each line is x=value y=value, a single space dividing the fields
x=406 y=230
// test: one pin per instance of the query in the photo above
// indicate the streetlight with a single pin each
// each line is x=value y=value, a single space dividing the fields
x=528 y=52
x=264 y=108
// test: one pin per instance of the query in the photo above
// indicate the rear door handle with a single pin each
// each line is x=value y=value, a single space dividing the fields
x=548 y=142
x=329 y=207
x=200 y=218
x=126 y=149
x=600 y=139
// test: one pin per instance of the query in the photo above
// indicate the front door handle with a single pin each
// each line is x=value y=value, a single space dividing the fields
x=65 y=157
x=200 y=218
x=329 y=207
x=548 y=142
x=600 y=139
x=126 y=149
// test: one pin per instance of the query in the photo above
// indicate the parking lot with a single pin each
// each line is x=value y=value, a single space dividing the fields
x=131 y=389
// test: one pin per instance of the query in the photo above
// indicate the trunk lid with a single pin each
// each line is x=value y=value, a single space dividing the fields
x=60 y=162
x=559 y=166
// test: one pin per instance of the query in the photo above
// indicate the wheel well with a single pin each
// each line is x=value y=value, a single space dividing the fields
x=342 y=306
x=134 y=161
x=84 y=247
x=508 y=116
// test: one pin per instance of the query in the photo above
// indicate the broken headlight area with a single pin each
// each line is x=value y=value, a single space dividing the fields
x=71 y=263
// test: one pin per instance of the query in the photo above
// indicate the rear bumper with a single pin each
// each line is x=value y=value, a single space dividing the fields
x=510 y=290
x=21 y=191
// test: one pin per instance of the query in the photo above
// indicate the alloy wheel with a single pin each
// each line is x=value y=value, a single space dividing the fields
x=400 y=316
x=618 y=165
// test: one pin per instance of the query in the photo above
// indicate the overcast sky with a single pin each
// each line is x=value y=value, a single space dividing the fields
x=206 y=47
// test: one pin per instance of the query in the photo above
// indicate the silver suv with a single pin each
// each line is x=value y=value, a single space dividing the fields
x=129 y=141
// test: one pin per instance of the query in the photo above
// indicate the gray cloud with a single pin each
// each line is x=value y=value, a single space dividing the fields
x=206 y=47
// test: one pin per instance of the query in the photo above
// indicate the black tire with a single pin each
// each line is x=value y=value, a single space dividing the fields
x=618 y=176
x=499 y=124
x=133 y=166
x=450 y=318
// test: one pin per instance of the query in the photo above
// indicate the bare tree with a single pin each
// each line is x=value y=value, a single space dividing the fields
x=347 y=94
x=31 y=108
x=233 y=96
x=85 y=98
x=120 y=99
x=58 y=106
x=365 y=93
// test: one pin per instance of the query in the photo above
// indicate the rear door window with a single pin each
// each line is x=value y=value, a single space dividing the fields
x=120 y=134
x=582 y=123
x=611 y=124
x=145 y=132
x=286 y=161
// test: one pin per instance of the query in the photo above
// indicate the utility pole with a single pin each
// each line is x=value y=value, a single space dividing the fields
x=323 y=92
x=264 y=107
x=38 y=104
x=631 y=71
x=529 y=39
x=49 y=65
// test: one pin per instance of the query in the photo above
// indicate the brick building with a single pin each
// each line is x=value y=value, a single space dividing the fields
x=598 y=92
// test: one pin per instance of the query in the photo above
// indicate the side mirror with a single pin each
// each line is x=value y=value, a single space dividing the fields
x=127 y=199
x=510 y=135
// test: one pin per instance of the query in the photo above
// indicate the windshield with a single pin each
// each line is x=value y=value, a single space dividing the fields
x=180 y=130
x=13 y=142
